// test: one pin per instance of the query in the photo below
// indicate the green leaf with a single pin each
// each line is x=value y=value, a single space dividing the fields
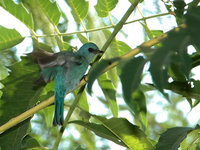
x=172 y=138
x=97 y=70
x=123 y=48
x=51 y=10
x=9 y=38
x=99 y=130
x=179 y=9
x=129 y=134
x=156 y=32
x=193 y=23
x=20 y=12
x=79 y=9
x=3 y=72
x=192 y=140
x=109 y=92
x=66 y=46
x=147 y=30
x=82 y=38
x=131 y=76
x=158 y=68
x=29 y=142
x=2 y=3
x=103 y=7
x=83 y=103
x=19 y=95
x=111 y=52
x=8 y=57
x=138 y=105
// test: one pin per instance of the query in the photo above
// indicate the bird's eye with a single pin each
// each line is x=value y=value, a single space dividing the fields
x=90 y=50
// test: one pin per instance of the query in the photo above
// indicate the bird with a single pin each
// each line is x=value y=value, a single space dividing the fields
x=67 y=68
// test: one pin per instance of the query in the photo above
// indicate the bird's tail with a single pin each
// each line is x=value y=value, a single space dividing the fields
x=58 y=113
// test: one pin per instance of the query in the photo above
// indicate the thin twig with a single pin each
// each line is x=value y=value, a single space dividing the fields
x=101 y=28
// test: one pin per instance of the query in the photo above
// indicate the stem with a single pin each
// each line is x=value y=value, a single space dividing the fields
x=101 y=28
x=72 y=108
x=118 y=27
x=50 y=100
x=12 y=122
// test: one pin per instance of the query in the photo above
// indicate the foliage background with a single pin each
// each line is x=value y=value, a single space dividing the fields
x=166 y=57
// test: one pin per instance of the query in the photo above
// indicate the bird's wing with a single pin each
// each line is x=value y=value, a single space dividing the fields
x=47 y=59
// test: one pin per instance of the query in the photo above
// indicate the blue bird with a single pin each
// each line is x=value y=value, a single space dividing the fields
x=67 y=68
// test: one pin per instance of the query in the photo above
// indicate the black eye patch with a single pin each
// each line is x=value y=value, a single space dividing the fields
x=94 y=51
x=91 y=50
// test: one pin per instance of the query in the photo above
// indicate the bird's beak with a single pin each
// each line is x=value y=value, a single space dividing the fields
x=98 y=51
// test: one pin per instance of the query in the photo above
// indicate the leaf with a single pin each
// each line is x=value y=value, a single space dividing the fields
x=130 y=76
x=103 y=7
x=29 y=142
x=156 y=32
x=82 y=38
x=83 y=103
x=138 y=105
x=3 y=72
x=9 y=38
x=193 y=23
x=79 y=9
x=179 y=9
x=172 y=138
x=112 y=52
x=19 y=11
x=51 y=10
x=123 y=48
x=97 y=70
x=158 y=68
x=109 y=92
x=18 y=96
x=147 y=30
x=8 y=57
x=192 y=140
x=2 y=3
x=99 y=130
x=129 y=134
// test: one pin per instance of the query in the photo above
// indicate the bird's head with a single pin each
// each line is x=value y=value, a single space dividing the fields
x=89 y=50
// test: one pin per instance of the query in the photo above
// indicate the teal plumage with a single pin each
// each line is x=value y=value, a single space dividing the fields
x=67 y=68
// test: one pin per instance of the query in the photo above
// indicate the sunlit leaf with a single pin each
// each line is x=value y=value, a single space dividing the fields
x=19 y=11
x=129 y=134
x=83 y=103
x=192 y=139
x=2 y=3
x=172 y=138
x=123 y=48
x=109 y=92
x=103 y=7
x=51 y=10
x=19 y=94
x=82 y=38
x=9 y=38
x=79 y=9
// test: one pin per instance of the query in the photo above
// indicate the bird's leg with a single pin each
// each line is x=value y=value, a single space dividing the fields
x=84 y=77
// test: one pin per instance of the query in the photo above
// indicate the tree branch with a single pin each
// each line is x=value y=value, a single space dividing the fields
x=50 y=100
